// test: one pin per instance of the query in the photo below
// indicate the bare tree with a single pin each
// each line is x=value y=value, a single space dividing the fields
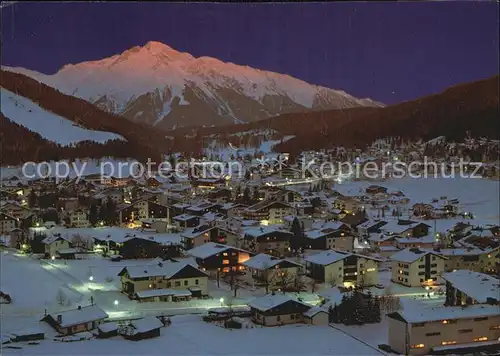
x=268 y=277
x=78 y=242
x=299 y=283
x=284 y=280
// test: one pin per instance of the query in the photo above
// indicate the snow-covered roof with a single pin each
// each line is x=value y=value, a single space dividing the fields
x=193 y=232
x=210 y=249
x=326 y=257
x=313 y=311
x=478 y=286
x=108 y=327
x=270 y=301
x=184 y=217
x=421 y=315
x=166 y=269
x=146 y=324
x=261 y=230
x=263 y=261
x=428 y=239
x=463 y=251
x=410 y=255
x=80 y=316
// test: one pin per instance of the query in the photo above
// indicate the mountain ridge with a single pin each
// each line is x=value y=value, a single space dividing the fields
x=165 y=88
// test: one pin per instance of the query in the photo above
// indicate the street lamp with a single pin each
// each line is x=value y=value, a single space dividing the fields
x=115 y=302
x=221 y=300
x=53 y=258
x=91 y=278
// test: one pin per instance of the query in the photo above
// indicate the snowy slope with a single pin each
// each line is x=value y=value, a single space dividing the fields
x=156 y=83
x=50 y=126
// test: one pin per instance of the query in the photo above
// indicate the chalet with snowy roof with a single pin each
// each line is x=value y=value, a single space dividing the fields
x=232 y=209
x=164 y=281
x=76 y=320
x=185 y=221
x=196 y=236
x=268 y=211
x=445 y=330
x=277 y=309
x=214 y=257
x=349 y=204
x=428 y=241
x=405 y=228
x=380 y=240
x=220 y=196
x=414 y=267
x=370 y=227
x=464 y=287
x=14 y=209
x=341 y=267
x=266 y=268
x=55 y=243
x=267 y=239
x=7 y=223
x=471 y=258
x=337 y=236
x=152 y=246
x=354 y=219
x=201 y=209
x=141 y=329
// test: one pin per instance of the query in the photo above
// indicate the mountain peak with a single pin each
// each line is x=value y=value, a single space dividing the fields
x=158 y=47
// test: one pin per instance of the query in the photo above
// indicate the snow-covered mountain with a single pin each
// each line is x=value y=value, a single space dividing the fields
x=160 y=86
x=50 y=126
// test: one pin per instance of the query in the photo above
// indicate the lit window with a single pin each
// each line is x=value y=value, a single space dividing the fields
x=225 y=262
x=482 y=338
x=444 y=343
x=417 y=346
x=225 y=254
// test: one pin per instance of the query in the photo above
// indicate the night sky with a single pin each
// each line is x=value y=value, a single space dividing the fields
x=390 y=52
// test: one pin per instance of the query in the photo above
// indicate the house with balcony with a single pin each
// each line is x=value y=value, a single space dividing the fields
x=415 y=267
x=339 y=237
x=341 y=267
x=277 y=309
x=471 y=258
x=216 y=258
x=164 y=281
x=266 y=268
x=267 y=239
x=268 y=212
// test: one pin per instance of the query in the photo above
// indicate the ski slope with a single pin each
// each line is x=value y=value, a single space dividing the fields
x=49 y=125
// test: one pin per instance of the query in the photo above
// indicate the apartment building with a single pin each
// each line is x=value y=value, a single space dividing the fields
x=415 y=267
x=340 y=267
x=78 y=218
x=444 y=330
x=464 y=287
x=266 y=239
x=268 y=212
x=474 y=259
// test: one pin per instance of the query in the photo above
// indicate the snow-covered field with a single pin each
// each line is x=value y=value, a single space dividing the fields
x=188 y=335
x=476 y=196
x=49 y=125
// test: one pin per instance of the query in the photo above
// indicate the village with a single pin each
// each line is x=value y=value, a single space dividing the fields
x=406 y=266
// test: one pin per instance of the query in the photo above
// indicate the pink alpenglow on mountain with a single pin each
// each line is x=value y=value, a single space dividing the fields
x=159 y=86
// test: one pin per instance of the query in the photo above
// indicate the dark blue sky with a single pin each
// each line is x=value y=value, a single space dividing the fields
x=388 y=51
